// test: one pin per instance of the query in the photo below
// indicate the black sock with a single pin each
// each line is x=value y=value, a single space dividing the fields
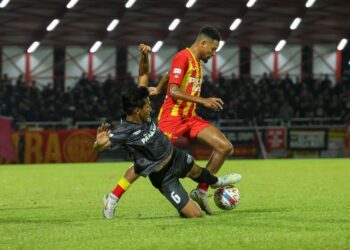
x=206 y=177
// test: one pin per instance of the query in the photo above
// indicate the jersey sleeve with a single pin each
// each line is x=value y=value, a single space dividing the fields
x=117 y=138
x=178 y=69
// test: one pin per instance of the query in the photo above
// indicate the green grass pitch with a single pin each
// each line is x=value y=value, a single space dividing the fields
x=285 y=204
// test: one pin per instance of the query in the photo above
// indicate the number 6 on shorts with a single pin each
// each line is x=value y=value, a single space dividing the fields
x=175 y=197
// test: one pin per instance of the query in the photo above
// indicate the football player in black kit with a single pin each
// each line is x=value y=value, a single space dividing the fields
x=152 y=153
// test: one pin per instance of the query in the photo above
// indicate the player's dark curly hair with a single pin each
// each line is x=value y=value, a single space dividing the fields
x=210 y=32
x=134 y=97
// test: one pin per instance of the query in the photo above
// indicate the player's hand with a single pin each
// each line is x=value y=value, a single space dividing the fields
x=144 y=48
x=153 y=91
x=213 y=103
x=102 y=136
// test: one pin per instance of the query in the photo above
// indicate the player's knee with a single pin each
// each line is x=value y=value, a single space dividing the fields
x=226 y=148
x=231 y=149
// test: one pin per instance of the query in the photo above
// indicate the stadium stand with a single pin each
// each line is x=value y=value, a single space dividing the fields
x=265 y=100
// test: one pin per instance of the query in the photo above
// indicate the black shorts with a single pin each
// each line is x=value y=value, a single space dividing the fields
x=167 y=179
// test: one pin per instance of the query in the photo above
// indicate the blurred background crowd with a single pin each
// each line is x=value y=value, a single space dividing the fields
x=244 y=98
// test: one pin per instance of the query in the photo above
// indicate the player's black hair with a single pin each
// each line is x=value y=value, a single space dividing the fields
x=210 y=32
x=134 y=97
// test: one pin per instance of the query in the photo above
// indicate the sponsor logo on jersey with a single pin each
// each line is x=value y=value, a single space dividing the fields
x=177 y=71
x=189 y=159
x=150 y=134
x=196 y=88
x=136 y=132
x=192 y=79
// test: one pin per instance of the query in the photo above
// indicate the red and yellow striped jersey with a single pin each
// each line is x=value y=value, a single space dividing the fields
x=187 y=73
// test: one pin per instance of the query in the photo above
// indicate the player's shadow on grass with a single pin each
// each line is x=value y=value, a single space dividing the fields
x=220 y=212
x=22 y=208
x=256 y=210
x=32 y=221
x=314 y=220
x=153 y=217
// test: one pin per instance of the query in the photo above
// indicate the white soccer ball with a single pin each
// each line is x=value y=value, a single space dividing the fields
x=227 y=198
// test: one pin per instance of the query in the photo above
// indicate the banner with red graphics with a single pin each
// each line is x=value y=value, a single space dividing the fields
x=7 y=150
x=203 y=152
x=50 y=146
x=275 y=139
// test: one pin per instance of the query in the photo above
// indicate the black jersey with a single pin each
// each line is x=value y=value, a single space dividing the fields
x=145 y=143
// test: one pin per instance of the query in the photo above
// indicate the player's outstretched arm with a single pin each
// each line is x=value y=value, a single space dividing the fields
x=144 y=65
x=162 y=84
x=102 y=137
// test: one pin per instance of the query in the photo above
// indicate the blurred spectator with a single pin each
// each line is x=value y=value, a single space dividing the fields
x=93 y=100
x=286 y=112
x=287 y=80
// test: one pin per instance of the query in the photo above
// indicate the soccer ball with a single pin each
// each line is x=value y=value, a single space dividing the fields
x=227 y=198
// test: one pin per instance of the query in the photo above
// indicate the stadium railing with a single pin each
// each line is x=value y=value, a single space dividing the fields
x=44 y=125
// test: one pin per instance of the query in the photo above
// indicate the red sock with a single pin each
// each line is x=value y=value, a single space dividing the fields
x=203 y=186
x=122 y=186
x=118 y=191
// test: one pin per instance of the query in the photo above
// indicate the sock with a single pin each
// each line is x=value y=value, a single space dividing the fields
x=205 y=179
x=122 y=186
x=203 y=186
